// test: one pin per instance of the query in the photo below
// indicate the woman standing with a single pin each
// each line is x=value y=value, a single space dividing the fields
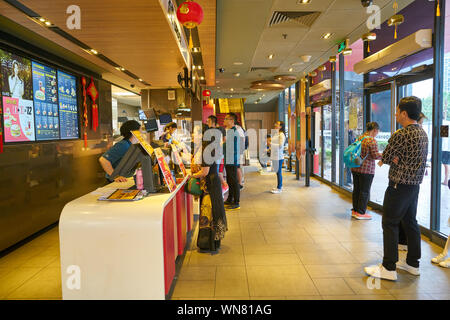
x=213 y=222
x=363 y=176
x=277 y=153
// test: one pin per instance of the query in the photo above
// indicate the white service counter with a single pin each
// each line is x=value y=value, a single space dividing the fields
x=123 y=250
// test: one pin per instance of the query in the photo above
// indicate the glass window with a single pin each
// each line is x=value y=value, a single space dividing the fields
x=424 y=91
x=445 y=141
x=317 y=122
x=326 y=136
x=381 y=113
x=353 y=103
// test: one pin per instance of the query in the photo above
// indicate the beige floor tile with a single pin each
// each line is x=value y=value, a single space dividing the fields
x=367 y=257
x=366 y=286
x=314 y=247
x=46 y=283
x=304 y=298
x=231 y=281
x=268 y=249
x=192 y=289
x=332 y=286
x=414 y=296
x=197 y=273
x=272 y=259
x=232 y=298
x=15 y=279
x=267 y=298
x=335 y=271
x=279 y=281
x=206 y=259
x=327 y=257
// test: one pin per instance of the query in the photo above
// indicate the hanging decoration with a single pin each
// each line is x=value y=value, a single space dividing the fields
x=369 y=36
x=322 y=69
x=396 y=19
x=190 y=15
x=93 y=93
x=438 y=9
x=85 y=114
x=206 y=95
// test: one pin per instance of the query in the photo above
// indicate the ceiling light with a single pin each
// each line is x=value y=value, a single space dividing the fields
x=232 y=89
x=306 y=58
x=196 y=49
x=48 y=23
x=270 y=56
x=93 y=51
x=290 y=69
x=122 y=69
x=42 y=19
x=347 y=51
x=303 y=1
x=238 y=63
x=237 y=74
x=327 y=35
x=202 y=78
x=140 y=79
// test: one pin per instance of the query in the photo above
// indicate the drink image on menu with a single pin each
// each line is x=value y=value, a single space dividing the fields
x=17 y=97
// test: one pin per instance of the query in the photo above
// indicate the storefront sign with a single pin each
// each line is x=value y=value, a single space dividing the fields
x=170 y=182
x=178 y=160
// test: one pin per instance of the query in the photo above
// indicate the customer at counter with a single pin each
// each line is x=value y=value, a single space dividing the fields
x=111 y=158
x=169 y=130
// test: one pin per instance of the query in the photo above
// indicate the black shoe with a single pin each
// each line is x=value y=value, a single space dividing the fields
x=228 y=203
x=235 y=206
x=241 y=187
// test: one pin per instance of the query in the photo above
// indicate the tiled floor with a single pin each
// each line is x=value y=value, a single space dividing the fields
x=301 y=244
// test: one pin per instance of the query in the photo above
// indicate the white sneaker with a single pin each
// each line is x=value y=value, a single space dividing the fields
x=405 y=266
x=378 y=271
x=276 y=190
x=445 y=263
x=439 y=258
x=403 y=247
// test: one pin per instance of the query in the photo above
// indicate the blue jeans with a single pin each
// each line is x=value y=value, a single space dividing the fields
x=279 y=163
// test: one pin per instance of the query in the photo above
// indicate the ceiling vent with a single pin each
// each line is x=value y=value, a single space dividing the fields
x=302 y=18
x=269 y=69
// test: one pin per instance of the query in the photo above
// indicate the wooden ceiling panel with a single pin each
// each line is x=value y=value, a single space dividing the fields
x=207 y=35
x=135 y=35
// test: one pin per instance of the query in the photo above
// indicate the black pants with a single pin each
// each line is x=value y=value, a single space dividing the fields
x=400 y=207
x=361 y=191
x=233 y=184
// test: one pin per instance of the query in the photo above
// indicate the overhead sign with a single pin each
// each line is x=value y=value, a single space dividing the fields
x=341 y=46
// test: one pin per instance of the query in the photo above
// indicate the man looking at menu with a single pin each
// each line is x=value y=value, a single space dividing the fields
x=111 y=158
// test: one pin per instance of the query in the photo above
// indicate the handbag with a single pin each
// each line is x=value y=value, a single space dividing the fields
x=206 y=234
x=193 y=186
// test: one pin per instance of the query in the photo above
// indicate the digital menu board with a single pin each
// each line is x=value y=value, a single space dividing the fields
x=45 y=98
x=17 y=97
x=68 y=107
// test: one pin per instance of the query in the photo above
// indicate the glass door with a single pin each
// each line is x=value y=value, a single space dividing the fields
x=327 y=144
x=381 y=113
x=424 y=91
x=317 y=131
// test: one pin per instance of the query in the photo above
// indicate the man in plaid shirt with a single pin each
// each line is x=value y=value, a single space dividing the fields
x=363 y=176
x=406 y=154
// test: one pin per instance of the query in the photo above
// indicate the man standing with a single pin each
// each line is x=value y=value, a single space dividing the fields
x=406 y=153
x=231 y=151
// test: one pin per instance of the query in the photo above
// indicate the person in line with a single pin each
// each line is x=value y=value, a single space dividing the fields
x=277 y=154
x=231 y=152
x=363 y=175
x=111 y=158
x=409 y=147
x=167 y=136
x=441 y=259
x=268 y=144
x=240 y=171
x=212 y=123
x=213 y=222
x=402 y=241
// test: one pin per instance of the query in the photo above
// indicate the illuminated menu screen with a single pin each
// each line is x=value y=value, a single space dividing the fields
x=45 y=102
x=17 y=98
x=68 y=107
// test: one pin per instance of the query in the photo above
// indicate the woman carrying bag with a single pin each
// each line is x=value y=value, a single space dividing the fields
x=277 y=153
x=212 y=222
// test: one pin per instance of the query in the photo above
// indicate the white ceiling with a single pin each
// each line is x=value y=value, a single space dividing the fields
x=244 y=35
x=125 y=96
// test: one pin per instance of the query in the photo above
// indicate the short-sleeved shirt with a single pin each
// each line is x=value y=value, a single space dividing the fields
x=116 y=153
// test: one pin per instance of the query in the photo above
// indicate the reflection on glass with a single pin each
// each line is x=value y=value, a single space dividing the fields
x=317 y=140
x=381 y=113
x=327 y=142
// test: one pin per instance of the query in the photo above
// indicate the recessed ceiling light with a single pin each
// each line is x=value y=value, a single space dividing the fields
x=42 y=19
x=270 y=56
x=327 y=35
x=93 y=51
x=290 y=69
x=48 y=23
x=238 y=63
x=122 y=69
x=303 y=1
x=202 y=78
x=140 y=79
x=232 y=89
x=237 y=74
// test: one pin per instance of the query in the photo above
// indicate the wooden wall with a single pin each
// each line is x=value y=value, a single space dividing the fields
x=268 y=118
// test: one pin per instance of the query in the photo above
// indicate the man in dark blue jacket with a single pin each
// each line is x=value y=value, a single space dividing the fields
x=231 y=152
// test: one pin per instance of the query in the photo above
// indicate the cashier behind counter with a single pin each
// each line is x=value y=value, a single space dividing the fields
x=111 y=158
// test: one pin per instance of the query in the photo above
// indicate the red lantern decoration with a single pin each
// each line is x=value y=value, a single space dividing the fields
x=93 y=93
x=190 y=14
x=206 y=93
x=85 y=113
